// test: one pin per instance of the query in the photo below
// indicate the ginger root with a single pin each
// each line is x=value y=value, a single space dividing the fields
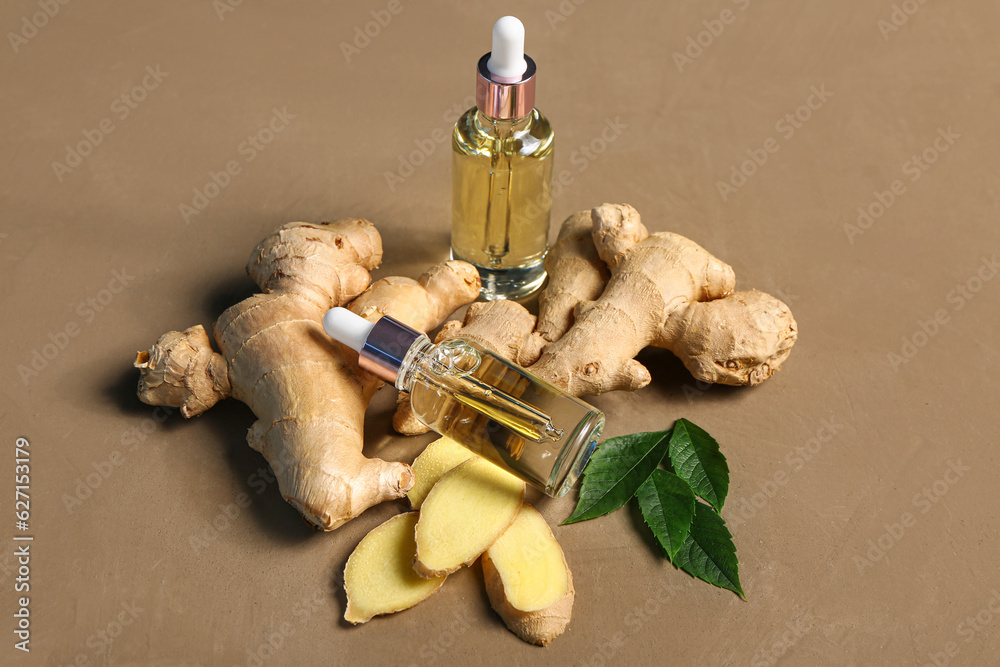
x=664 y=290
x=464 y=513
x=652 y=277
x=527 y=579
x=721 y=337
x=379 y=577
x=422 y=304
x=576 y=274
x=274 y=356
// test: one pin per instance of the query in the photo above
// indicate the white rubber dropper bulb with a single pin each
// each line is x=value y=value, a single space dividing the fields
x=507 y=57
x=350 y=329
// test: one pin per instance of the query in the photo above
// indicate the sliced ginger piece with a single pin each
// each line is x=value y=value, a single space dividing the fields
x=465 y=512
x=530 y=562
x=535 y=627
x=379 y=576
x=438 y=458
x=528 y=581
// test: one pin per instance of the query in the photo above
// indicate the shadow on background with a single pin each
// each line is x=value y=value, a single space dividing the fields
x=635 y=515
x=672 y=382
x=228 y=420
x=226 y=293
x=338 y=591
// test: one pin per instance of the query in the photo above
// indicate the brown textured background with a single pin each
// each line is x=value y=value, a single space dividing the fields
x=838 y=447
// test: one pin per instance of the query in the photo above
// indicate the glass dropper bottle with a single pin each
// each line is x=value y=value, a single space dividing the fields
x=502 y=152
x=477 y=398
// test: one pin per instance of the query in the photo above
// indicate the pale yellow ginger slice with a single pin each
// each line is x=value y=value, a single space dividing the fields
x=379 y=576
x=528 y=581
x=535 y=627
x=465 y=512
x=438 y=458
x=530 y=562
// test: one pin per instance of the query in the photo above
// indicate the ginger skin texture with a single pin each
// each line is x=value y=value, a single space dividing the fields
x=664 y=290
x=535 y=627
x=527 y=579
x=308 y=395
x=576 y=274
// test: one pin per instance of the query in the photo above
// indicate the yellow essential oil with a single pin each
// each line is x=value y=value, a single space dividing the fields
x=502 y=172
x=501 y=200
x=490 y=405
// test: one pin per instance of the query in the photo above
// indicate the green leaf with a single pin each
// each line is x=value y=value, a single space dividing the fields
x=667 y=504
x=616 y=471
x=697 y=460
x=708 y=552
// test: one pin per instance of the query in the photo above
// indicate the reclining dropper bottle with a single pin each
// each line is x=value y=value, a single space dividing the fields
x=480 y=400
x=502 y=172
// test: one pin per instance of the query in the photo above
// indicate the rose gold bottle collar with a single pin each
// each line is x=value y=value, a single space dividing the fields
x=500 y=97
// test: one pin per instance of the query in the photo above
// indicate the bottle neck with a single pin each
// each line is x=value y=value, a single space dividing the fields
x=385 y=349
x=505 y=99
x=407 y=368
x=502 y=127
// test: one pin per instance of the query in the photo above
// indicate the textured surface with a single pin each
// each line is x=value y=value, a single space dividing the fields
x=829 y=457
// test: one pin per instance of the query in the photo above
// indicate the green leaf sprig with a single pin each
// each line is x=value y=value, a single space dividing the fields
x=693 y=534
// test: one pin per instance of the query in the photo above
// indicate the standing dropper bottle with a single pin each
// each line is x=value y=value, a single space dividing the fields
x=502 y=172
x=479 y=399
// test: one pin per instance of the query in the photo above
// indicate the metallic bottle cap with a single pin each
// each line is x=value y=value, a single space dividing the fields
x=385 y=348
x=505 y=97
